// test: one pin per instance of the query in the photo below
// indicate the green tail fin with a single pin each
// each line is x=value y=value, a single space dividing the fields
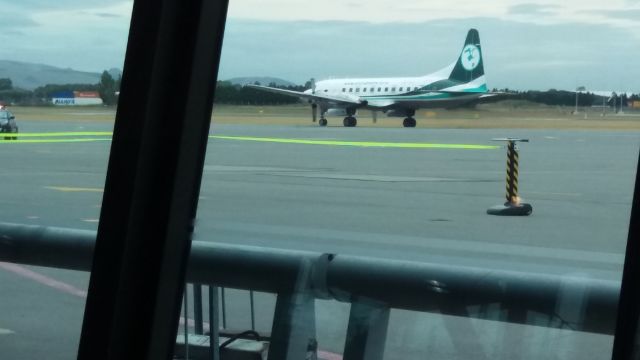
x=470 y=64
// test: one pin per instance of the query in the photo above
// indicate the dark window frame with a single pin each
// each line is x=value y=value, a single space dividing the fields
x=144 y=233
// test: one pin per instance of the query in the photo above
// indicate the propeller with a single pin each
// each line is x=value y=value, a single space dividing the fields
x=313 y=85
x=314 y=112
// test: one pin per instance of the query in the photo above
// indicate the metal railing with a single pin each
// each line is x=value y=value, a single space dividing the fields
x=372 y=286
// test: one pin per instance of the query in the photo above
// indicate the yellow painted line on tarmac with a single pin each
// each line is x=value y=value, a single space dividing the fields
x=44 y=141
x=74 y=189
x=6 y=331
x=56 y=137
x=358 y=143
x=60 y=134
x=79 y=136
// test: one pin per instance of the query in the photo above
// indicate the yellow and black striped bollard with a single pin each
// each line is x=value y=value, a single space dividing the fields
x=513 y=206
x=512 y=173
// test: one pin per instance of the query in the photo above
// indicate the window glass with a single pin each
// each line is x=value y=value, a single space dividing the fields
x=328 y=190
x=377 y=204
x=59 y=76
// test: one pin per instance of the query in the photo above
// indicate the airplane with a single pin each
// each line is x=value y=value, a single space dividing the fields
x=461 y=83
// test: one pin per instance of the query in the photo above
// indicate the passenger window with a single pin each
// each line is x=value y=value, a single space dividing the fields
x=357 y=89
x=400 y=89
x=344 y=89
x=364 y=90
x=393 y=89
x=379 y=89
x=350 y=89
x=386 y=89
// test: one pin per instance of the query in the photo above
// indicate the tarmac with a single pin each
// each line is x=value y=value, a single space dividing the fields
x=414 y=194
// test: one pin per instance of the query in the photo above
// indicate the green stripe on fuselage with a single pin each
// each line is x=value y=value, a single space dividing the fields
x=427 y=95
x=430 y=96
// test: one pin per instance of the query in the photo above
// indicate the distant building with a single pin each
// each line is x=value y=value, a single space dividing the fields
x=76 y=98
x=634 y=104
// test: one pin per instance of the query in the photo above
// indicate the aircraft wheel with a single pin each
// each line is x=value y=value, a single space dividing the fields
x=350 y=121
x=323 y=122
x=409 y=122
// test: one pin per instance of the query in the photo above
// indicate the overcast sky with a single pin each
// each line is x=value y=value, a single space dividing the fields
x=526 y=44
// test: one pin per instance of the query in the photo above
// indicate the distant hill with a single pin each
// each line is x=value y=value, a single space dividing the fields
x=263 y=80
x=29 y=75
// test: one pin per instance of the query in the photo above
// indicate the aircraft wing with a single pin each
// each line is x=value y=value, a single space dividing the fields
x=484 y=96
x=496 y=96
x=341 y=100
x=480 y=93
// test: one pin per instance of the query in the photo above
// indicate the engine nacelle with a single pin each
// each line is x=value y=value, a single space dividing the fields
x=337 y=112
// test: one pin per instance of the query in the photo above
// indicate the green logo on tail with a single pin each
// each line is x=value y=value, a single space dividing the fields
x=470 y=57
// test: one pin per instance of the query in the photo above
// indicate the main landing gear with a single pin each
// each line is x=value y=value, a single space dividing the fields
x=409 y=122
x=322 y=122
x=350 y=121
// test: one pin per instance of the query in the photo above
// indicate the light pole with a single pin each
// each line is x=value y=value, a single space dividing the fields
x=578 y=89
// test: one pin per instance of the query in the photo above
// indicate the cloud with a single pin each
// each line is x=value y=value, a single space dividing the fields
x=533 y=9
x=26 y=13
x=12 y=17
x=92 y=36
x=45 y=5
x=11 y=20
x=107 y=15
x=527 y=44
x=542 y=12
x=629 y=14
x=546 y=65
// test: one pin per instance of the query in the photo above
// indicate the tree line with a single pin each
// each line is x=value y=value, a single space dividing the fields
x=40 y=96
x=568 y=98
x=233 y=94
